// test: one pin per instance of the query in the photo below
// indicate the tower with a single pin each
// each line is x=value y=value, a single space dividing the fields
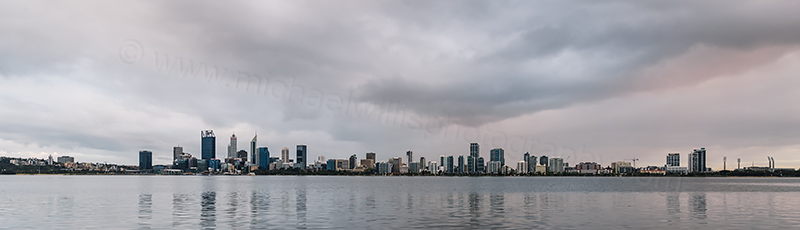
x=472 y=160
x=232 y=147
x=302 y=154
x=410 y=156
x=497 y=154
x=253 y=150
x=145 y=160
x=285 y=154
x=209 y=145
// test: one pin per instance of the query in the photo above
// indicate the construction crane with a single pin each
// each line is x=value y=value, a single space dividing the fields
x=634 y=161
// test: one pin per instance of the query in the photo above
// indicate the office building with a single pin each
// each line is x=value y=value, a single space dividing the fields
x=588 y=167
x=209 y=145
x=285 y=154
x=368 y=163
x=410 y=156
x=556 y=165
x=541 y=169
x=263 y=158
x=497 y=154
x=232 y=147
x=531 y=159
x=353 y=162
x=433 y=167
x=522 y=167
x=241 y=154
x=422 y=163
x=302 y=156
x=494 y=167
x=145 y=160
x=396 y=163
x=253 y=149
x=371 y=156
x=697 y=160
x=449 y=166
x=460 y=165
x=386 y=168
x=480 y=167
x=673 y=159
x=621 y=167
x=414 y=167
x=474 y=153
x=177 y=151
x=543 y=160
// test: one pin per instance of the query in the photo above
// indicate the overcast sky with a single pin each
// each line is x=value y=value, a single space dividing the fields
x=598 y=81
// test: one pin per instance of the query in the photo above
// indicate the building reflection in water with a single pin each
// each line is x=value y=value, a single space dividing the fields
x=208 y=209
x=259 y=208
x=474 y=208
x=698 y=205
x=300 y=204
x=145 y=210
x=180 y=214
x=673 y=203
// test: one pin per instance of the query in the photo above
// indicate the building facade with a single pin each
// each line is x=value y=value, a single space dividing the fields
x=673 y=159
x=302 y=156
x=145 y=160
x=497 y=154
x=209 y=145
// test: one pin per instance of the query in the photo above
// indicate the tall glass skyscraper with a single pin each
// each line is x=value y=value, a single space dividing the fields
x=253 y=149
x=302 y=156
x=209 y=145
x=497 y=154
x=263 y=157
x=145 y=160
x=474 y=153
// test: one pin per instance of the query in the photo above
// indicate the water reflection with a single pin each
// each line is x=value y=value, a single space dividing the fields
x=208 y=210
x=698 y=204
x=259 y=207
x=180 y=215
x=145 y=210
x=474 y=208
x=300 y=204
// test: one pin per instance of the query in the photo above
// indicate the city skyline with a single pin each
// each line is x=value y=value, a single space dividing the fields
x=625 y=80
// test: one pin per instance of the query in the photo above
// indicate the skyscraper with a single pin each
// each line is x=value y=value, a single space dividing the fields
x=145 y=160
x=697 y=160
x=209 y=145
x=263 y=157
x=423 y=164
x=556 y=165
x=544 y=161
x=285 y=154
x=232 y=147
x=396 y=162
x=474 y=153
x=371 y=156
x=410 y=156
x=302 y=155
x=497 y=154
x=449 y=166
x=673 y=159
x=480 y=165
x=460 y=164
x=176 y=152
x=253 y=150
x=353 y=161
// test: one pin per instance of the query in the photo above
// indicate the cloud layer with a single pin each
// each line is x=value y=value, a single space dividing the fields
x=600 y=81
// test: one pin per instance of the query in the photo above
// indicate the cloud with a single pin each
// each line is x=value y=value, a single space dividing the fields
x=363 y=76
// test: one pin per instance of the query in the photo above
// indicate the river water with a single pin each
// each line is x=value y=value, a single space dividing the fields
x=362 y=202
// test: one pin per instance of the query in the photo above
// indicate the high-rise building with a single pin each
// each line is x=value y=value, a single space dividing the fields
x=302 y=156
x=285 y=154
x=673 y=159
x=422 y=163
x=232 y=147
x=556 y=165
x=145 y=160
x=697 y=160
x=474 y=152
x=480 y=167
x=263 y=157
x=371 y=155
x=209 y=145
x=410 y=156
x=493 y=167
x=497 y=154
x=522 y=167
x=177 y=151
x=353 y=161
x=253 y=149
x=531 y=163
x=460 y=164
x=450 y=164
x=543 y=160
x=396 y=163
x=241 y=154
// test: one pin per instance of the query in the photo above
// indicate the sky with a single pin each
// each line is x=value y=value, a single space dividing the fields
x=588 y=81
